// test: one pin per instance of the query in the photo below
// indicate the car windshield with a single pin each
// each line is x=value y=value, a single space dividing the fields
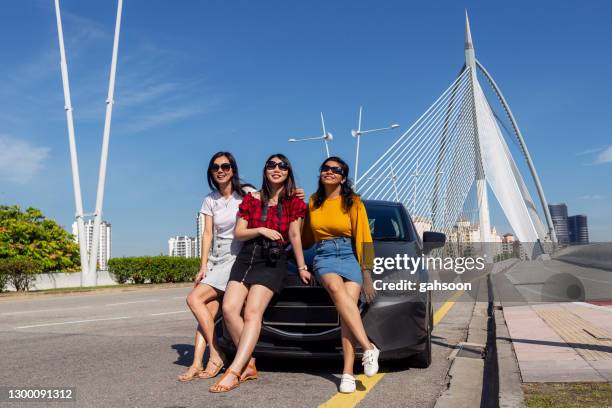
x=387 y=223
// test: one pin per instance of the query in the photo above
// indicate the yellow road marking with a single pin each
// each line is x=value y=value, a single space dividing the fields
x=352 y=399
x=340 y=400
x=446 y=307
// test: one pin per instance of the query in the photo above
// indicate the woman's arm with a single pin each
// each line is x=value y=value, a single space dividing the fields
x=296 y=243
x=243 y=233
x=206 y=241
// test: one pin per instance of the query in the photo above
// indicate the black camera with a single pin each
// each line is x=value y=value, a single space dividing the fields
x=270 y=250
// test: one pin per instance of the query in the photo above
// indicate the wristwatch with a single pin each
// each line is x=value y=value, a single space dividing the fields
x=303 y=268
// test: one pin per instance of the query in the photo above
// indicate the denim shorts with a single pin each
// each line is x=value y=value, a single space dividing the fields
x=336 y=256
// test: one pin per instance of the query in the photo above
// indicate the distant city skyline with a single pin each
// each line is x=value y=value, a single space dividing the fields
x=201 y=85
x=105 y=243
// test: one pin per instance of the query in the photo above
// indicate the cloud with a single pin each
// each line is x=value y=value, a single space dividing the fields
x=590 y=197
x=139 y=96
x=148 y=121
x=83 y=29
x=589 y=151
x=20 y=160
x=604 y=156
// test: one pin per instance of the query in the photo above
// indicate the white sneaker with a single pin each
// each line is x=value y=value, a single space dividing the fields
x=347 y=384
x=370 y=361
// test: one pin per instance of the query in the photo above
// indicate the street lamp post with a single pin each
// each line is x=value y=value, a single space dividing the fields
x=327 y=137
x=357 y=134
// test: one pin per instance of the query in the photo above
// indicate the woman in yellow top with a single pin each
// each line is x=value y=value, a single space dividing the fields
x=337 y=222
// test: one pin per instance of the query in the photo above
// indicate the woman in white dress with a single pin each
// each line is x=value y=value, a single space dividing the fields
x=219 y=250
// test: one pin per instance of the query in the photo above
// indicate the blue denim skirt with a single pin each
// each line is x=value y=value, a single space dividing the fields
x=336 y=256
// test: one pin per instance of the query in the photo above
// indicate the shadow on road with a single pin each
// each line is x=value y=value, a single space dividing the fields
x=583 y=346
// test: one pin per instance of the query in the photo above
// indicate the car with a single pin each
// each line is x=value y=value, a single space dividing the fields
x=302 y=321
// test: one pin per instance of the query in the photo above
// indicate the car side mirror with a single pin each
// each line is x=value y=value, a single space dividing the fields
x=433 y=240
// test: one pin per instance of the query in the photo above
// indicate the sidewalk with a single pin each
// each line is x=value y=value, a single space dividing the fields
x=561 y=342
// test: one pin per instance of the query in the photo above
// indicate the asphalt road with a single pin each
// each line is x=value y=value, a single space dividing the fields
x=125 y=349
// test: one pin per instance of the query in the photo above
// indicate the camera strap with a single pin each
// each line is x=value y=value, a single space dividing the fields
x=279 y=213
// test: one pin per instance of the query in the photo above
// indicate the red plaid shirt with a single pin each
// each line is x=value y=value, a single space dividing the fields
x=250 y=209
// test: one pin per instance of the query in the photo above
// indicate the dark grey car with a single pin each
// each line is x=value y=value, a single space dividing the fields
x=302 y=321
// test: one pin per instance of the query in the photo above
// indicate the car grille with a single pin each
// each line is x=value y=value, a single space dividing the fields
x=301 y=309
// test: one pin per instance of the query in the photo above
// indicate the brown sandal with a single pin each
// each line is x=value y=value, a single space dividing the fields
x=218 y=388
x=204 y=374
x=191 y=373
x=244 y=377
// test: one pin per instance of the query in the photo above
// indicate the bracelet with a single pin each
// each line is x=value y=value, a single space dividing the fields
x=302 y=268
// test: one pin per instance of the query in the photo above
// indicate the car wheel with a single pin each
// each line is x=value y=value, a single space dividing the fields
x=423 y=359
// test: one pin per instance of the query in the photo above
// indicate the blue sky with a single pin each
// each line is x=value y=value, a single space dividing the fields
x=197 y=77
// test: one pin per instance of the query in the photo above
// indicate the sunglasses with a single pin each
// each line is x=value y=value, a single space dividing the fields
x=224 y=166
x=333 y=169
x=271 y=165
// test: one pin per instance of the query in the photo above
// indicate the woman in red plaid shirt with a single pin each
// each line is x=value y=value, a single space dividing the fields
x=267 y=221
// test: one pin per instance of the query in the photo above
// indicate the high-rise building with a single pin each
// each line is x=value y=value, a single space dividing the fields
x=466 y=237
x=558 y=213
x=104 y=243
x=182 y=246
x=578 y=229
x=199 y=230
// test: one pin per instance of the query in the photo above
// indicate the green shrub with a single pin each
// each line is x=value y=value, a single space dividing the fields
x=3 y=279
x=20 y=272
x=153 y=269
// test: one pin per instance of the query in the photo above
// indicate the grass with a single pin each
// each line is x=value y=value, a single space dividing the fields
x=568 y=395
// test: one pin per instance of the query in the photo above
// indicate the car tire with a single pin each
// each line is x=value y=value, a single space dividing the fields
x=423 y=359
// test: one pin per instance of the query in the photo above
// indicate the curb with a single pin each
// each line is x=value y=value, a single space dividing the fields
x=468 y=368
x=510 y=390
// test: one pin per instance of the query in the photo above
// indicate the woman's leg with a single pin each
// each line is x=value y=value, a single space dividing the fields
x=348 y=340
x=199 y=347
x=347 y=308
x=233 y=301
x=258 y=298
x=204 y=304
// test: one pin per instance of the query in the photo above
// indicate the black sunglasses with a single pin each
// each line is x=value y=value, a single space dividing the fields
x=271 y=165
x=333 y=169
x=224 y=166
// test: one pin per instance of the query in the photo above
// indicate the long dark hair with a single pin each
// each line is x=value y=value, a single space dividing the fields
x=288 y=185
x=237 y=184
x=346 y=188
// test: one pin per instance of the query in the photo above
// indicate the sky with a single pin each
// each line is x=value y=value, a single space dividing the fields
x=196 y=77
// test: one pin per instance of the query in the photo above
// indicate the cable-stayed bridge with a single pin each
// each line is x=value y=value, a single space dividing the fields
x=442 y=166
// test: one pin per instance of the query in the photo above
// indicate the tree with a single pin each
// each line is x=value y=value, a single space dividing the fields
x=30 y=235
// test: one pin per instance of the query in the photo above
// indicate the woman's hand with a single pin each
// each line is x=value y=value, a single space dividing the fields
x=368 y=287
x=306 y=277
x=201 y=275
x=270 y=233
x=300 y=193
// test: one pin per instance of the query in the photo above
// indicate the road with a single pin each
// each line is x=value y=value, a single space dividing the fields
x=125 y=349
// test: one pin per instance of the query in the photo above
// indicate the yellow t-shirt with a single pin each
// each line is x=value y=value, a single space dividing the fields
x=331 y=221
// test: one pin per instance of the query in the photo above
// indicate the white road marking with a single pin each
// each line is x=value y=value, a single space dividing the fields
x=168 y=313
x=135 y=301
x=72 y=322
x=43 y=310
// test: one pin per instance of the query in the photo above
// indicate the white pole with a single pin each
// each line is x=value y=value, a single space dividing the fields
x=394 y=184
x=104 y=156
x=76 y=182
x=324 y=134
x=414 y=182
x=357 y=153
